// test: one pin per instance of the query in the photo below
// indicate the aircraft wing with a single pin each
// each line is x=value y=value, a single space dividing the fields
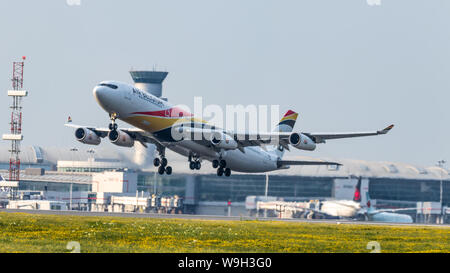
x=389 y=210
x=321 y=137
x=101 y=132
x=140 y=135
x=274 y=138
x=283 y=137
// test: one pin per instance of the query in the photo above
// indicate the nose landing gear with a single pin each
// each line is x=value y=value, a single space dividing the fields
x=113 y=126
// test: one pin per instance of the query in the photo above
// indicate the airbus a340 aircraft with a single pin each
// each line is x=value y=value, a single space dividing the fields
x=166 y=126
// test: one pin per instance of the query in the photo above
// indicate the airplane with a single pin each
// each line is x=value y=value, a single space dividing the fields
x=385 y=215
x=341 y=208
x=164 y=125
x=352 y=209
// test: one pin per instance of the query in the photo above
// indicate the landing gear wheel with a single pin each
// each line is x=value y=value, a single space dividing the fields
x=168 y=170
x=156 y=162
x=161 y=170
x=198 y=165
x=163 y=161
x=227 y=172
x=219 y=172
x=192 y=165
x=222 y=163
x=215 y=163
x=112 y=126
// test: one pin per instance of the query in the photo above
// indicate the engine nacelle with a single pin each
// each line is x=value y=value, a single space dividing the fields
x=120 y=138
x=302 y=142
x=224 y=141
x=86 y=136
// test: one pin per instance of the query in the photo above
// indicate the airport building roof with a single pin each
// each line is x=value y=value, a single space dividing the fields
x=136 y=158
x=349 y=168
x=364 y=168
x=54 y=177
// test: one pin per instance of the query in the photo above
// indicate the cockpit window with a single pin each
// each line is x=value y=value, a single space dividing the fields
x=109 y=85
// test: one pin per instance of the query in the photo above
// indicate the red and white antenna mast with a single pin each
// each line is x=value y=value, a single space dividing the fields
x=15 y=136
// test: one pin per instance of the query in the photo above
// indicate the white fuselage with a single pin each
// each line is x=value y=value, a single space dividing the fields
x=390 y=217
x=129 y=103
x=340 y=208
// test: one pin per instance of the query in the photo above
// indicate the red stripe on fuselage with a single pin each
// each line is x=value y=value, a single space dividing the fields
x=174 y=112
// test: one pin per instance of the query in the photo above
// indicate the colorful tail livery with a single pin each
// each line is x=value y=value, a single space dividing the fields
x=287 y=123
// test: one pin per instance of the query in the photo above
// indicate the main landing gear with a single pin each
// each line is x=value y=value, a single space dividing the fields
x=194 y=163
x=161 y=163
x=221 y=166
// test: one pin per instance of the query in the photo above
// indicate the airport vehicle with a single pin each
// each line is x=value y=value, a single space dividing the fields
x=166 y=126
x=4 y=193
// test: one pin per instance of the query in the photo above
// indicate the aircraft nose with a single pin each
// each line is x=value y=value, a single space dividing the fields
x=102 y=96
x=99 y=93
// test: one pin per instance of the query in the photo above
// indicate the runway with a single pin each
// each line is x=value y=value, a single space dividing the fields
x=215 y=217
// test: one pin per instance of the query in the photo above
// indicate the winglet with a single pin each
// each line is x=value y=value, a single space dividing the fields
x=386 y=130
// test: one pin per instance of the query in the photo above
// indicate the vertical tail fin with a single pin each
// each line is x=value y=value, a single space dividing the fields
x=287 y=123
x=368 y=200
x=357 y=195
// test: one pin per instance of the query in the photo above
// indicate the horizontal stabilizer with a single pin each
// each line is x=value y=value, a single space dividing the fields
x=291 y=162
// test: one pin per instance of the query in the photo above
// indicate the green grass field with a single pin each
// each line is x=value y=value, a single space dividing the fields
x=21 y=232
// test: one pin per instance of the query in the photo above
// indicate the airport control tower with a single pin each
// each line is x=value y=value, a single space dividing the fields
x=150 y=81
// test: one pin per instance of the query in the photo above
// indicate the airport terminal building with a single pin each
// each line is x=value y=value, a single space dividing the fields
x=203 y=192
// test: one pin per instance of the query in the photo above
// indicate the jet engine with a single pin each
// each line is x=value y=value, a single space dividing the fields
x=120 y=138
x=224 y=141
x=302 y=142
x=87 y=136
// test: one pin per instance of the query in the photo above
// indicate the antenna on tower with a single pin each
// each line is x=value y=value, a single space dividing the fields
x=15 y=136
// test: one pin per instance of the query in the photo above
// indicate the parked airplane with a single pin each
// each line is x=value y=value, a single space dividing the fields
x=168 y=126
x=342 y=208
x=353 y=209
x=385 y=215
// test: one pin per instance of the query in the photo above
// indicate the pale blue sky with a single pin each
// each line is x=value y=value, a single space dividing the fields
x=343 y=65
